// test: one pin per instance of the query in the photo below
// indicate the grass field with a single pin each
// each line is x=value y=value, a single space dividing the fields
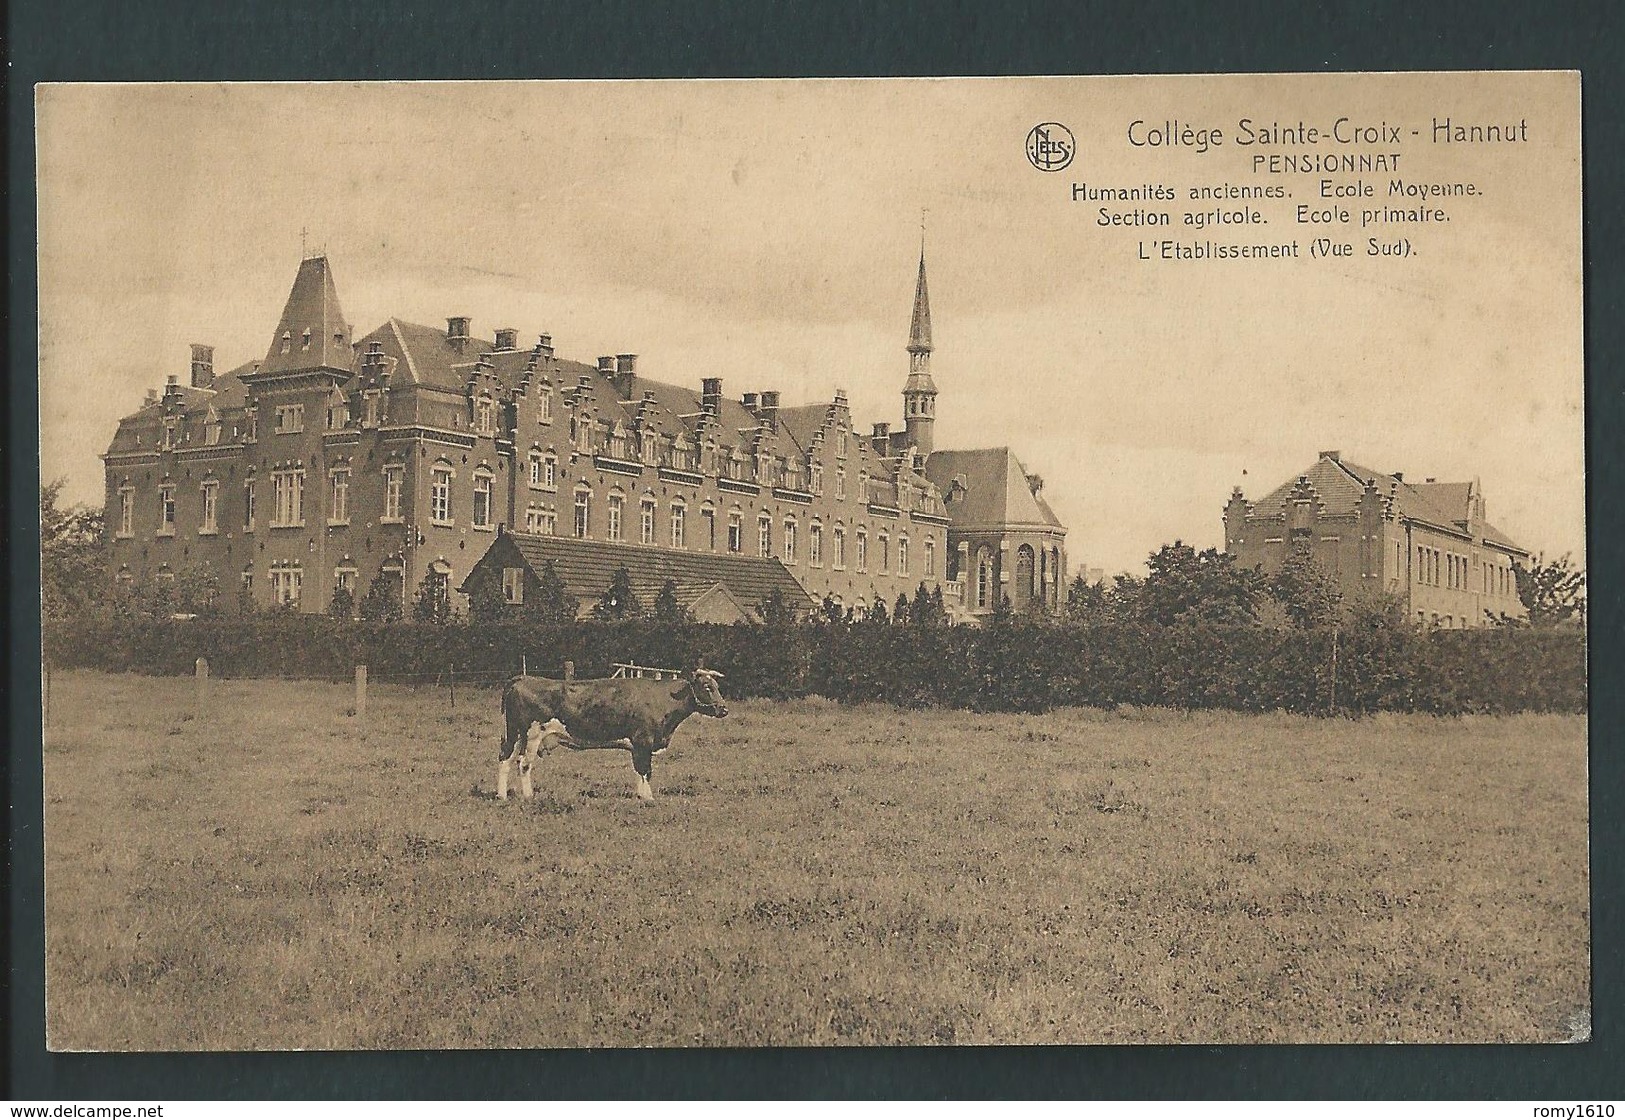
x=268 y=876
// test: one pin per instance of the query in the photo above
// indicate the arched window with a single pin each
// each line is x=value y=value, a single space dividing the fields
x=787 y=547
x=764 y=535
x=646 y=520
x=930 y=556
x=1026 y=572
x=815 y=544
x=838 y=540
x=482 y=498
x=736 y=530
x=440 y=493
x=616 y=506
x=902 y=555
x=679 y=515
x=885 y=551
x=583 y=510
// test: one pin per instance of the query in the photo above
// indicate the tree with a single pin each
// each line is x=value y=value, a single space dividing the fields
x=775 y=611
x=1189 y=586
x=1085 y=602
x=667 y=608
x=552 y=603
x=900 y=612
x=433 y=601
x=486 y=603
x=1552 y=592
x=343 y=605
x=619 y=601
x=1306 y=593
x=382 y=603
x=73 y=556
x=1002 y=610
x=927 y=610
x=197 y=589
x=832 y=612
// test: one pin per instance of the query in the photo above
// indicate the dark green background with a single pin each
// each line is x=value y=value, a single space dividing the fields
x=267 y=39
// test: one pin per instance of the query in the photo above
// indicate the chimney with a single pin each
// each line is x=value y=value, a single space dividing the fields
x=770 y=409
x=457 y=332
x=882 y=439
x=749 y=401
x=711 y=396
x=202 y=366
x=1334 y=456
x=152 y=396
x=1398 y=477
x=544 y=345
x=507 y=338
x=626 y=371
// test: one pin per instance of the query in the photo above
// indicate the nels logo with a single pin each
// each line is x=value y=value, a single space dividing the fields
x=1050 y=146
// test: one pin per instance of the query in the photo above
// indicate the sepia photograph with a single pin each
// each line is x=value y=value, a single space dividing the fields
x=818 y=562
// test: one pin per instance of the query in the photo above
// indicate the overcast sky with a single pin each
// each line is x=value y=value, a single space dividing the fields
x=767 y=233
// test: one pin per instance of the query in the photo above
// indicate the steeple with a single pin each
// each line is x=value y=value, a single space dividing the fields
x=312 y=334
x=920 y=392
x=919 y=331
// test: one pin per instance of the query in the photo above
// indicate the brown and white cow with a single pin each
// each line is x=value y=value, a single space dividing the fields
x=622 y=713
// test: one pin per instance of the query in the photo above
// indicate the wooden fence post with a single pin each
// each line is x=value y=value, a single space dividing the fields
x=202 y=670
x=361 y=692
x=452 y=679
x=569 y=670
x=523 y=672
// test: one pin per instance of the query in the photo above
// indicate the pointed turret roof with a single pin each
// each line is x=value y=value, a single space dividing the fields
x=312 y=326
x=919 y=330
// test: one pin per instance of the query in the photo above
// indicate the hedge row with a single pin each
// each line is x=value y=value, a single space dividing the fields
x=1002 y=668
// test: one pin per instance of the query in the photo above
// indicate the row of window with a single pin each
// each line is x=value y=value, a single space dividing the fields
x=544 y=475
x=789 y=550
x=1452 y=570
x=288 y=501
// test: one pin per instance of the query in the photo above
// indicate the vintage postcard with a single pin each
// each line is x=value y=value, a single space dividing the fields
x=875 y=562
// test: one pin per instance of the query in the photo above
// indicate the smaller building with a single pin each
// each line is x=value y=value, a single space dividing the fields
x=711 y=587
x=1427 y=542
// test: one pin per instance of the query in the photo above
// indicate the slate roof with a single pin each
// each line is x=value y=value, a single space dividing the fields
x=313 y=306
x=586 y=568
x=1339 y=484
x=996 y=488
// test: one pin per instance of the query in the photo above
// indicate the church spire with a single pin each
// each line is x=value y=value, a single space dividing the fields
x=919 y=331
x=920 y=391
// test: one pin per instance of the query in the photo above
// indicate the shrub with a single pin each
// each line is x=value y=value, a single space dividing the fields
x=1015 y=666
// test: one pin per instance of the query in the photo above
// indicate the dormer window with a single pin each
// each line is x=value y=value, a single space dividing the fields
x=287 y=342
x=650 y=447
x=305 y=341
x=544 y=407
x=484 y=415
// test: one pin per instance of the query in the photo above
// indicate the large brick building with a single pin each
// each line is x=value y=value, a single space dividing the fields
x=337 y=461
x=1427 y=542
